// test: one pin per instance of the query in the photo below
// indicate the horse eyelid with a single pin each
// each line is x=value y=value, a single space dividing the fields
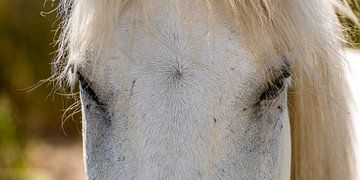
x=275 y=88
x=86 y=88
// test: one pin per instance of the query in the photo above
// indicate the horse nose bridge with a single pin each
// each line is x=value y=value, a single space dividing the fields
x=173 y=107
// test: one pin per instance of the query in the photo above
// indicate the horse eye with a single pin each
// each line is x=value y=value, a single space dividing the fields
x=86 y=88
x=275 y=88
x=82 y=81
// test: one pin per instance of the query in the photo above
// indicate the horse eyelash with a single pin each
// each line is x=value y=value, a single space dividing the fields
x=275 y=88
x=85 y=86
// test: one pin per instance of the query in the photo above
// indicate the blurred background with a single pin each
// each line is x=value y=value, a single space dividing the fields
x=34 y=141
x=38 y=140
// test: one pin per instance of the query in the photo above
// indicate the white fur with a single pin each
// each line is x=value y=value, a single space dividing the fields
x=164 y=86
x=176 y=88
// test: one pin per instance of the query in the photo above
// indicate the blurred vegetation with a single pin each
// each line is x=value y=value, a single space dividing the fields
x=25 y=56
x=10 y=149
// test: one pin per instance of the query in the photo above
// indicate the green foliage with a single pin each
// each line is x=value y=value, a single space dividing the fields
x=25 y=57
x=26 y=51
x=10 y=146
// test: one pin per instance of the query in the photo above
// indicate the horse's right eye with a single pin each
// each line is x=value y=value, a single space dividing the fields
x=86 y=88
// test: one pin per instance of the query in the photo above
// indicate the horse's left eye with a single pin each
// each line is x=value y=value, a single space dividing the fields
x=275 y=88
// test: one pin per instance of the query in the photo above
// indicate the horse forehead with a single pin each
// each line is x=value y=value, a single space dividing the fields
x=180 y=39
x=174 y=43
x=177 y=56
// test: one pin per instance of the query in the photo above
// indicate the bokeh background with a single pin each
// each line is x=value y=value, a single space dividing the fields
x=35 y=140
x=38 y=139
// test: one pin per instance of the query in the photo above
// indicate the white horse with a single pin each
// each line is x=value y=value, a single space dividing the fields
x=178 y=89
